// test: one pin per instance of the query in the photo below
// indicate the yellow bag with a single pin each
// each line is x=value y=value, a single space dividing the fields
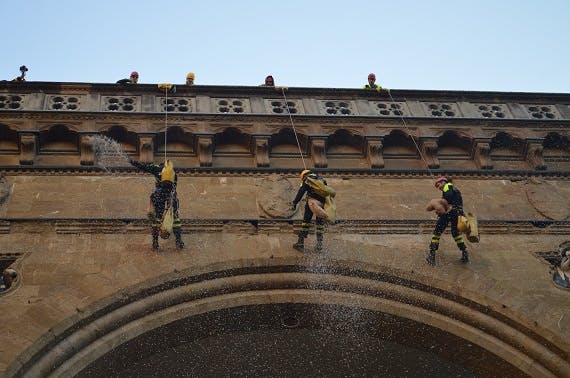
x=320 y=188
x=167 y=222
x=468 y=225
x=330 y=208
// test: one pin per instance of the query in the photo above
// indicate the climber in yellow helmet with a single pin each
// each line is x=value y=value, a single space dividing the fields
x=164 y=195
x=190 y=78
x=318 y=192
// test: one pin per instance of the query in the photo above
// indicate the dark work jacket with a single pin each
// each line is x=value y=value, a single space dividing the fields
x=453 y=197
x=305 y=188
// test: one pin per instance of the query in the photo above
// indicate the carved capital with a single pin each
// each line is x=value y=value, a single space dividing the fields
x=261 y=150
x=374 y=153
x=318 y=152
x=429 y=151
x=86 y=148
x=482 y=155
x=205 y=150
x=146 y=148
x=534 y=155
x=28 y=147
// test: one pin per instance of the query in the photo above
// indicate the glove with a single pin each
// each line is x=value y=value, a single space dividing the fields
x=293 y=206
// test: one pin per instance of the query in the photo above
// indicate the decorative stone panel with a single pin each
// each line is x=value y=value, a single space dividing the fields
x=337 y=107
x=11 y=102
x=231 y=105
x=63 y=102
x=279 y=106
x=177 y=104
x=442 y=109
x=492 y=110
x=28 y=148
x=120 y=104
x=542 y=111
x=387 y=108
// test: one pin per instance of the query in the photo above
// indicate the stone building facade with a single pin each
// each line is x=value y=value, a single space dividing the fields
x=91 y=297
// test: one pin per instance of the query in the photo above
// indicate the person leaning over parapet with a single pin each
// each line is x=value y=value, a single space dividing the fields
x=319 y=202
x=372 y=84
x=190 y=78
x=453 y=209
x=22 y=77
x=269 y=82
x=134 y=79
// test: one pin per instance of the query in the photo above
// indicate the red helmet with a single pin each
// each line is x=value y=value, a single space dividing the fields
x=441 y=180
x=135 y=73
x=371 y=76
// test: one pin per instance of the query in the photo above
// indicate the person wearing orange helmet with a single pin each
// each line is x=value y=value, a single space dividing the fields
x=314 y=205
x=372 y=83
x=453 y=197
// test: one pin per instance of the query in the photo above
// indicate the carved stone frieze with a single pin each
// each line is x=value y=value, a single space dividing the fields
x=337 y=107
x=279 y=106
x=231 y=105
x=387 y=108
x=177 y=104
x=442 y=109
x=11 y=101
x=492 y=110
x=63 y=102
x=540 y=111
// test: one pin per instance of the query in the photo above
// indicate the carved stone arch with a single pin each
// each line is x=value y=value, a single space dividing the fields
x=284 y=303
x=345 y=142
x=59 y=138
x=70 y=127
x=399 y=143
x=453 y=143
x=178 y=141
x=8 y=139
x=232 y=140
x=121 y=134
x=284 y=142
x=506 y=145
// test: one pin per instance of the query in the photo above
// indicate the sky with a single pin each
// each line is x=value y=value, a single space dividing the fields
x=477 y=45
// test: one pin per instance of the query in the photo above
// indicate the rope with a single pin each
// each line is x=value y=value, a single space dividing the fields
x=293 y=126
x=165 y=120
x=410 y=133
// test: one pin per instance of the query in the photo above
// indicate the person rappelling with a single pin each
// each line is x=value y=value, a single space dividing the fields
x=319 y=202
x=449 y=210
x=164 y=202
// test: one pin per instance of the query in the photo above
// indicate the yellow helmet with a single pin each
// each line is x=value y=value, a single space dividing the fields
x=190 y=75
x=167 y=173
x=304 y=173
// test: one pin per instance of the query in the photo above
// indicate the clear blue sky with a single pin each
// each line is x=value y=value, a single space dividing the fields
x=495 y=45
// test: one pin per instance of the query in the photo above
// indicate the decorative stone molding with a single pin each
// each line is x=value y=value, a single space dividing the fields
x=374 y=153
x=492 y=110
x=318 y=152
x=261 y=150
x=231 y=105
x=205 y=150
x=146 y=148
x=539 y=111
x=534 y=155
x=86 y=150
x=337 y=107
x=278 y=106
x=387 y=108
x=11 y=101
x=28 y=148
x=120 y=104
x=442 y=109
x=482 y=154
x=177 y=104
x=63 y=102
x=429 y=151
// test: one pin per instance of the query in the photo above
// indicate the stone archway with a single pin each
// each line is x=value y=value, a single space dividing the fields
x=335 y=298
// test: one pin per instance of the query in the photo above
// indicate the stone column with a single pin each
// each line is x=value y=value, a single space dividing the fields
x=205 y=149
x=146 y=148
x=261 y=150
x=429 y=151
x=374 y=152
x=482 y=154
x=86 y=148
x=534 y=154
x=319 y=152
x=28 y=148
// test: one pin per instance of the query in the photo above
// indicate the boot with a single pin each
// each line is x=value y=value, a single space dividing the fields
x=178 y=237
x=319 y=246
x=300 y=245
x=155 y=238
x=430 y=259
x=464 y=255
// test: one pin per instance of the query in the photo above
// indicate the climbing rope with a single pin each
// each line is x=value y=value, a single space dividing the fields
x=293 y=126
x=410 y=133
x=165 y=120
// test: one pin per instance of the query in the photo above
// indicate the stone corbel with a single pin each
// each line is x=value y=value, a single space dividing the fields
x=318 y=152
x=28 y=147
x=429 y=150
x=482 y=155
x=146 y=148
x=374 y=153
x=261 y=150
x=534 y=155
x=86 y=148
x=205 y=150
